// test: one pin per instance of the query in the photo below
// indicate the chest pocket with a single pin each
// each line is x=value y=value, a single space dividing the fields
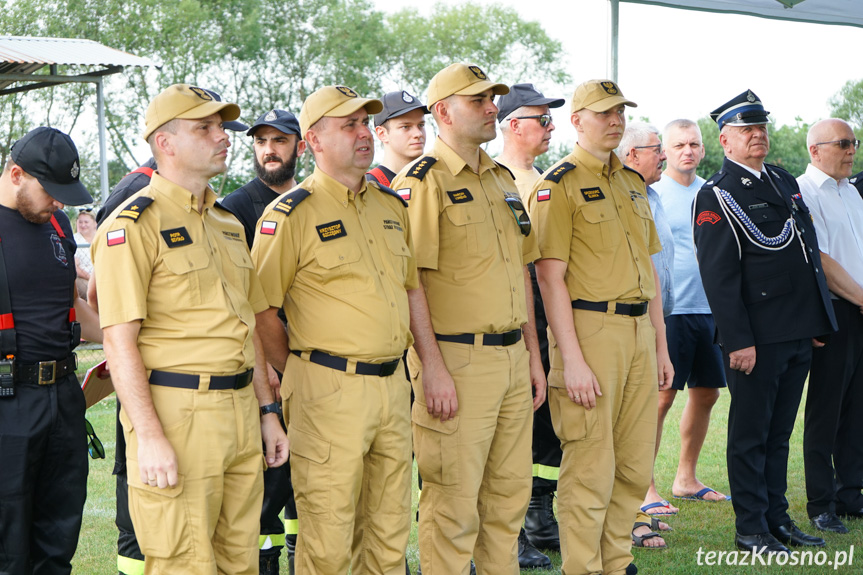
x=240 y=266
x=399 y=250
x=602 y=224
x=192 y=278
x=642 y=208
x=469 y=230
x=339 y=267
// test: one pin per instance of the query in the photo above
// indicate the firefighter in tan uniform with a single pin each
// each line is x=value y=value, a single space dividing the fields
x=336 y=254
x=608 y=350
x=470 y=365
x=178 y=296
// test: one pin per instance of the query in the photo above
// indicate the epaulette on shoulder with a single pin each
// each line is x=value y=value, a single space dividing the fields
x=625 y=167
x=556 y=174
x=389 y=191
x=508 y=171
x=778 y=170
x=290 y=200
x=135 y=208
x=422 y=166
x=714 y=180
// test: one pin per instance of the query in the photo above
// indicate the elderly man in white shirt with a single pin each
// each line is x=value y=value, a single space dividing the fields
x=833 y=453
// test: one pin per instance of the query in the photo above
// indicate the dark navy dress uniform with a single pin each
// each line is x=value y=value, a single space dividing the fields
x=773 y=297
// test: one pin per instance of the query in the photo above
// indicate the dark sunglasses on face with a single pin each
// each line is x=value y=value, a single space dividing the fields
x=544 y=119
x=843 y=143
x=517 y=209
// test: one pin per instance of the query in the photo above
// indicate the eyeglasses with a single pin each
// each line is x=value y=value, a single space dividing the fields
x=657 y=148
x=544 y=119
x=94 y=444
x=84 y=210
x=517 y=209
x=843 y=143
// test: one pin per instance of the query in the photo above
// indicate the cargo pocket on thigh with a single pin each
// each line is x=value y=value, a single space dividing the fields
x=435 y=446
x=310 y=473
x=571 y=421
x=160 y=516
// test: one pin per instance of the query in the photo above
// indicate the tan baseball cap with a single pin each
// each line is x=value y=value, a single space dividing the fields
x=334 y=102
x=598 y=96
x=463 y=80
x=186 y=102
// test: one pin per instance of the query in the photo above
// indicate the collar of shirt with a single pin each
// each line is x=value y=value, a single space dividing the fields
x=180 y=195
x=336 y=189
x=819 y=178
x=755 y=173
x=455 y=163
x=600 y=169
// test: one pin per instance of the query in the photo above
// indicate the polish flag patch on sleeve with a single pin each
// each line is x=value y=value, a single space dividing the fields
x=405 y=193
x=268 y=227
x=543 y=195
x=116 y=237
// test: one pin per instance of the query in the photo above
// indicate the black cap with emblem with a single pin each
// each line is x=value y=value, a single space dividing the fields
x=51 y=157
x=281 y=120
x=397 y=104
x=743 y=110
x=523 y=95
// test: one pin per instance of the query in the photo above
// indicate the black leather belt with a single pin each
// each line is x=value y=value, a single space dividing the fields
x=630 y=309
x=340 y=363
x=189 y=381
x=495 y=339
x=45 y=372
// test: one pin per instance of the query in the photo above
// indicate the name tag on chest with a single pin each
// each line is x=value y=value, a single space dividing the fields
x=331 y=231
x=176 y=237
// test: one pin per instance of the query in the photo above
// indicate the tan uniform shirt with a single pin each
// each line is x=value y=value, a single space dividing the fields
x=187 y=276
x=598 y=220
x=469 y=247
x=524 y=179
x=339 y=263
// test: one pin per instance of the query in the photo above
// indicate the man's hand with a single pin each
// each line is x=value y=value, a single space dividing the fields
x=817 y=344
x=275 y=440
x=439 y=390
x=275 y=384
x=581 y=384
x=538 y=381
x=742 y=359
x=666 y=370
x=157 y=462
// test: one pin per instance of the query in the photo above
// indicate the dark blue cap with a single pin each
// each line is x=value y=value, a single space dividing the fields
x=281 y=120
x=523 y=95
x=51 y=157
x=398 y=104
x=742 y=110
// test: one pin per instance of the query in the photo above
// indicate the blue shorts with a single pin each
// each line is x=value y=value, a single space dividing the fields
x=696 y=359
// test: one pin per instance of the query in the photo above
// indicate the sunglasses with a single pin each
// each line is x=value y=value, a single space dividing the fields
x=94 y=444
x=843 y=143
x=517 y=209
x=85 y=210
x=544 y=119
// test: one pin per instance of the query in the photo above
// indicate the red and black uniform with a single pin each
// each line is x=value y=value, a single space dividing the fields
x=43 y=443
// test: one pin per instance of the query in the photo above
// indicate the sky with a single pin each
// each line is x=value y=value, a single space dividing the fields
x=682 y=63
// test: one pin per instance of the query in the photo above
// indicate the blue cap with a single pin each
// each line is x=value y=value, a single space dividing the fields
x=281 y=120
x=742 y=110
x=523 y=95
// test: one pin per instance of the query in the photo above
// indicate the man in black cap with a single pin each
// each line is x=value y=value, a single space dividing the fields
x=759 y=261
x=526 y=125
x=401 y=128
x=43 y=443
x=277 y=145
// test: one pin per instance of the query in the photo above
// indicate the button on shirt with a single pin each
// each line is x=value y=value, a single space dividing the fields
x=469 y=248
x=664 y=259
x=598 y=220
x=187 y=276
x=837 y=212
x=340 y=263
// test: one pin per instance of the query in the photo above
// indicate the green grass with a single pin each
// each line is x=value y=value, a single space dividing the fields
x=706 y=526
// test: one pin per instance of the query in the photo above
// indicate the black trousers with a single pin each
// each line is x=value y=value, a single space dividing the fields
x=43 y=477
x=546 y=445
x=833 y=427
x=760 y=421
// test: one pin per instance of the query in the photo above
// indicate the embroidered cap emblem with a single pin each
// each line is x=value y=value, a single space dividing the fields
x=347 y=91
x=271 y=115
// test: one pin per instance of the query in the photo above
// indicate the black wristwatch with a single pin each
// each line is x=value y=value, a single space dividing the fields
x=271 y=408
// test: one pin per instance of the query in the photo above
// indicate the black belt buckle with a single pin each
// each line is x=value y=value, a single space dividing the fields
x=7 y=378
x=47 y=372
x=638 y=309
x=512 y=337
x=389 y=368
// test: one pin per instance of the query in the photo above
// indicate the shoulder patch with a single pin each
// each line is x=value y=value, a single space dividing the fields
x=291 y=200
x=419 y=169
x=556 y=174
x=508 y=171
x=393 y=193
x=135 y=208
x=625 y=167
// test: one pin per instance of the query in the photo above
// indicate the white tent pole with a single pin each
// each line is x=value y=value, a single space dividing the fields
x=613 y=24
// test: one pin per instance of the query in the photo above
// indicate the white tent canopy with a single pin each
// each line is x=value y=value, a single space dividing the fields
x=838 y=12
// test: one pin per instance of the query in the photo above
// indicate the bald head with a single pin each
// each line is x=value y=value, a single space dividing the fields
x=832 y=146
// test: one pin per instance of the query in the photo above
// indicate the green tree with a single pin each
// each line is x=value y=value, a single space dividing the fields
x=713 y=154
